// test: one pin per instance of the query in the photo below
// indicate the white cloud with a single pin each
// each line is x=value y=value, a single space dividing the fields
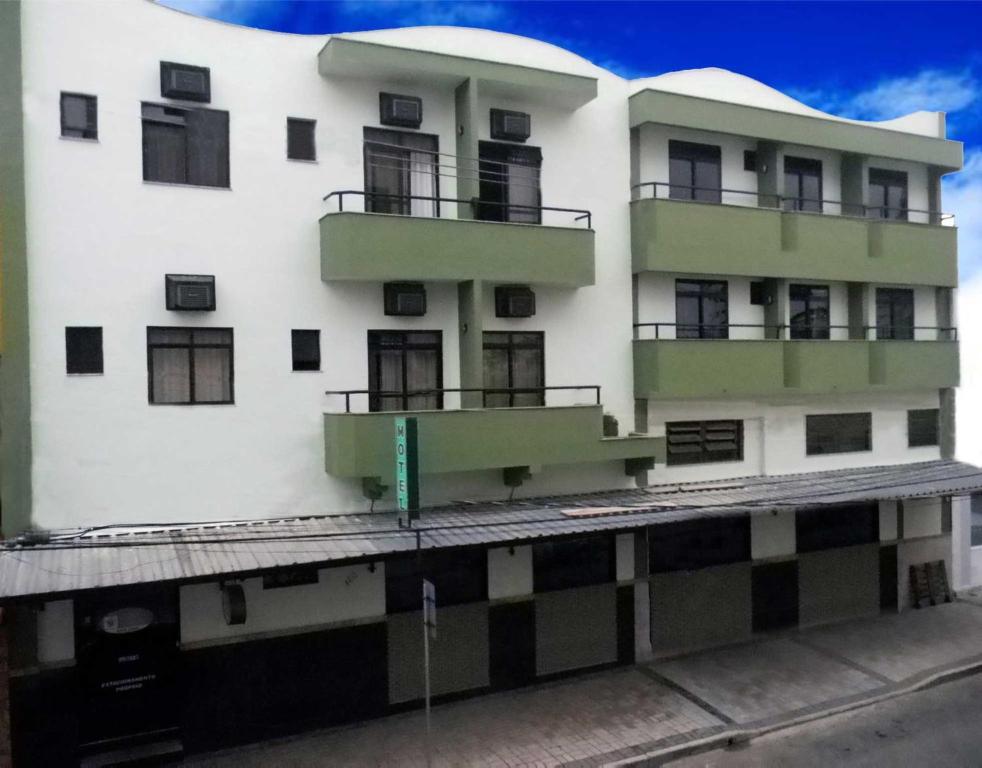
x=400 y=13
x=930 y=89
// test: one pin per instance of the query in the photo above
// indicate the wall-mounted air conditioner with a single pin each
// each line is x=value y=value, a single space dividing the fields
x=190 y=293
x=403 y=111
x=405 y=299
x=514 y=301
x=510 y=126
x=185 y=82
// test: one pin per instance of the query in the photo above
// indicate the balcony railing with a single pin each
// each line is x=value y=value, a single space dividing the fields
x=475 y=204
x=439 y=392
x=818 y=332
x=748 y=198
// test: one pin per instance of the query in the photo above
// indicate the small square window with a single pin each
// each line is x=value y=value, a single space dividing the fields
x=306 y=350
x=749 y=160
x=83 y=350
x=300 y=139
x=79 y=116
x=922 y=427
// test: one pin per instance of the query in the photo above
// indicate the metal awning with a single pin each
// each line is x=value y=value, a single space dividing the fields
x=85 y=559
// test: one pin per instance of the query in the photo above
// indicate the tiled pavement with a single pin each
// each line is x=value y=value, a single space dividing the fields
x=603 y=717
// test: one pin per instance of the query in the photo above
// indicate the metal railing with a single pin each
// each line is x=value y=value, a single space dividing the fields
x=440 y=391
x=790 y=204
x=784 y=331
x=475 y=203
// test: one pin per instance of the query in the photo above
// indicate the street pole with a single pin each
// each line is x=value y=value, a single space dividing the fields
x=429 y=630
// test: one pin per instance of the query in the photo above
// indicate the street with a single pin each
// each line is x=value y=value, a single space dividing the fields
x=935 y=727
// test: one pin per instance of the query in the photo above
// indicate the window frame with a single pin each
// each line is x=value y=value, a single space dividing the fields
x=91 y=113
x=702 y=330
x=882 y=177
x=144 y=120
x=306 y=122
x=912 y=415
x=834 y=433
x=810 y=330
x=492 y=155
x=98 y=360
x=688 y=152
x=404 y=204
x=294 y=333
x=510 y=346
x=374 y=400
x=894 y=331
x=191 y=346
x=705 y=429
x=801 y=167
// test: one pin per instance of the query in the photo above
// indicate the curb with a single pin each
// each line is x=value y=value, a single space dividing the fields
x=741 y=735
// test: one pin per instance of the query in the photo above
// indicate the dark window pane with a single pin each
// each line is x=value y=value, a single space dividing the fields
x=809 y=311
x=693 y=544
x=170 y=381
x=887 y=194
x=514 y=361
x=83 y=350
x=701 y=442
x=922 y=427
x=190 y=366
x=701 y=309
x=572 y=563
x=79 y=116
x=306 y=350
x=838 y=526
x=694 y=171
x=401 y=170
x=894 y=313
x=458 y=575
x=300 y=143
x=509 y=183
x=399 y=363
x=802 y=184
x=838 y=433
x=185 y=145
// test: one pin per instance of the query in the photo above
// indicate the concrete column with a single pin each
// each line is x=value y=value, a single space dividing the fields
x=944 y=307
x=467 y=120
x=859 y=300
x=855 y=184
x=770 y=174
x=934 y=195
x=470 y=311
x=946 y=423
x=776 y=308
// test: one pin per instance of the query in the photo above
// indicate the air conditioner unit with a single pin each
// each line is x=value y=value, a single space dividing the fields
x=403 y=111
x=190 y=293
x=514 y=301
x=510 y=126
x=405 y=299
x=185 y=82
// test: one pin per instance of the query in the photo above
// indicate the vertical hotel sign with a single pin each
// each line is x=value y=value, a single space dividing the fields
x=407 y=470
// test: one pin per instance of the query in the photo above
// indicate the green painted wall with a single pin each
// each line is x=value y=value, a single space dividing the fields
x=706 y=114
x=361 y=444
x=683 y=368
x=372 y=246
x=15 y=383
x=679 y=236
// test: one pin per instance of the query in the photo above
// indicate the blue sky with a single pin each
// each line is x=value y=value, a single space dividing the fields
x=863 y=60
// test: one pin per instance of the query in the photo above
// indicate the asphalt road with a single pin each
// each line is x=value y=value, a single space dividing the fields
x=937 y=727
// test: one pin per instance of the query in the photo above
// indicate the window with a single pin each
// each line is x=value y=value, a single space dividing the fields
x=887 y=194
x=838 y=433
x=802 y=184
x=838 y=526
x=190 y=366
x=509 y=183
x=570 y=563
x=749 y=160
x=809 y=311
x=400 y=169
x=291 y=577
x=694 y=172
x=306 y=350
x=976 y=507
x=403 y=362
x=83 y=350
x=894 y=313
x=79 y=116
x=704 y=442
x=459 y=576
x=300 y=143
x=514 y=361
x=183 y=145
x=922 y=427
x=692 y=544
x=701 y=309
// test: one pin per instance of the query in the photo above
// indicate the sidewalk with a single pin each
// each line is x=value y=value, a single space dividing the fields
x=629 y=714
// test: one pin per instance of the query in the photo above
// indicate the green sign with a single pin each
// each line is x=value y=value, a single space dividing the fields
x=407 y=469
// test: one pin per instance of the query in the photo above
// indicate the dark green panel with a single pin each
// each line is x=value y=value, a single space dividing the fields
x=888 y=578
x=40 y=734
x=511 y=644
x=625 y=624
x=775 y=596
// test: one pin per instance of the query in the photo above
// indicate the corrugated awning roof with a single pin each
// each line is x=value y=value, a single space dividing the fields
x=115 y=556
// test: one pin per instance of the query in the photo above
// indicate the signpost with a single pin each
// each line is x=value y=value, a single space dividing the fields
x=407 y=470
x=429 y=632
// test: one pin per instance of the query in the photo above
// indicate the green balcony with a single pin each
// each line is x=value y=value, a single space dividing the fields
x=362 y=444
x=705 y=238
x=914 y=364
x=709 y=368
x=382 y=247
x=824 y=367
x=682 y=368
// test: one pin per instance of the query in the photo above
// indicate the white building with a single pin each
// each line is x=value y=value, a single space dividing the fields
x=576 y=283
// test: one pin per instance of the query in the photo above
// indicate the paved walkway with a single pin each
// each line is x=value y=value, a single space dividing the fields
x=622 y=714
